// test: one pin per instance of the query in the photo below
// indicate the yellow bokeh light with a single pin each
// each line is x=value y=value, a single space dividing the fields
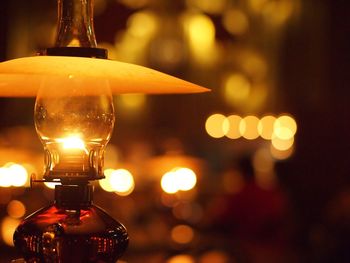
x=5 y=179
x=8 y=227
x=122 y=182
x=132 y=101
x=235 y=21
x=186 y=178
x=282 y=145
x=257 y=5
x=106 y=183
x=16 y=209
x=167 y=183
x=266 y=127
x=249 y=127
x=119 y=181
x=19 y=175
x=142 y=24
x=281 y=155
x=276 y=13
x=216 y=126
x=200 y=32
x=285 y=127
x=209 y=6
x=233 y=124
x=181 y=259
x=182 y=234
x=178 y=179
x=236 y=88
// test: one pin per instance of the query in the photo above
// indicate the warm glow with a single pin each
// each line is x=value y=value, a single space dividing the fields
x=73 y=142
x=8 y=227
x=16 y=209
x=122 y=182
x=132 y=101
x=282 y=145
x=266 y=127
x=235 y=21
x=186 y=178
x=142 y=25
x=237 y=88
x=285 y=127
x=216 y=126
x=262 y=161
x=182 y=234
x=13 y=175
x=215 y=257
x=276 y=13
x=233 y=122
x=119 y=181
x=178 y=179
x=281 y=155
x=181 y=259
x=249 y=127
x=209 y=6
x=51 y=185
x=200 y=31
x=168 y=183
x=5 y=179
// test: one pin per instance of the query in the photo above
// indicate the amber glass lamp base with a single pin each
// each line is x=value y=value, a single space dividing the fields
x=57 y=234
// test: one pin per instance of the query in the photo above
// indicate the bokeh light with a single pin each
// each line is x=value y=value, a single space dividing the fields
x=235 y=21
x=200 y=32
x=12 y=174
x=266 y=127
x=285 y=127
x=181 y=259
x=122 y=182
x=281 y=155
x=236 y=88
x=233 y=123
x=8 y=227
x=16 y=209
x=282 y=145
x=249 y=127
x=119 y=181
x=209 y=6
x=216 y=125
x=182 y=234
x=178 y=179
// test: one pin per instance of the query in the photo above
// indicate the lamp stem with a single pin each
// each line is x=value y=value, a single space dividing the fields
x=75 y=24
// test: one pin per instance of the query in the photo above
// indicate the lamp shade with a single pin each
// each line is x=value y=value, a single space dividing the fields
x=22 y=77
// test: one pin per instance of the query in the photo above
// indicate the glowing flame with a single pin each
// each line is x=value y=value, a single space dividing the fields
x=72 y=142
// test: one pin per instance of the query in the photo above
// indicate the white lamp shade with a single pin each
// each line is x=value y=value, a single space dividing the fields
x=22 y=77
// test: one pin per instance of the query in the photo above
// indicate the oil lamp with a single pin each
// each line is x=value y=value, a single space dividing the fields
x=74 y=117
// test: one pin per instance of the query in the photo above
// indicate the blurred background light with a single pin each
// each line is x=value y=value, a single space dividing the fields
x=120 y=181
x=209 y=6
x=233 y=124
x=266 y=127
x=178 y=179
x=12 y=174
x=16 y=209
x=216 y=125
x=281 y=154
x=8 y=227
x=282 y=145
x=285 y=127
x=182 y=234
x=235 y=21
x=249 y=127
x=236 y=88
x=181 y=259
